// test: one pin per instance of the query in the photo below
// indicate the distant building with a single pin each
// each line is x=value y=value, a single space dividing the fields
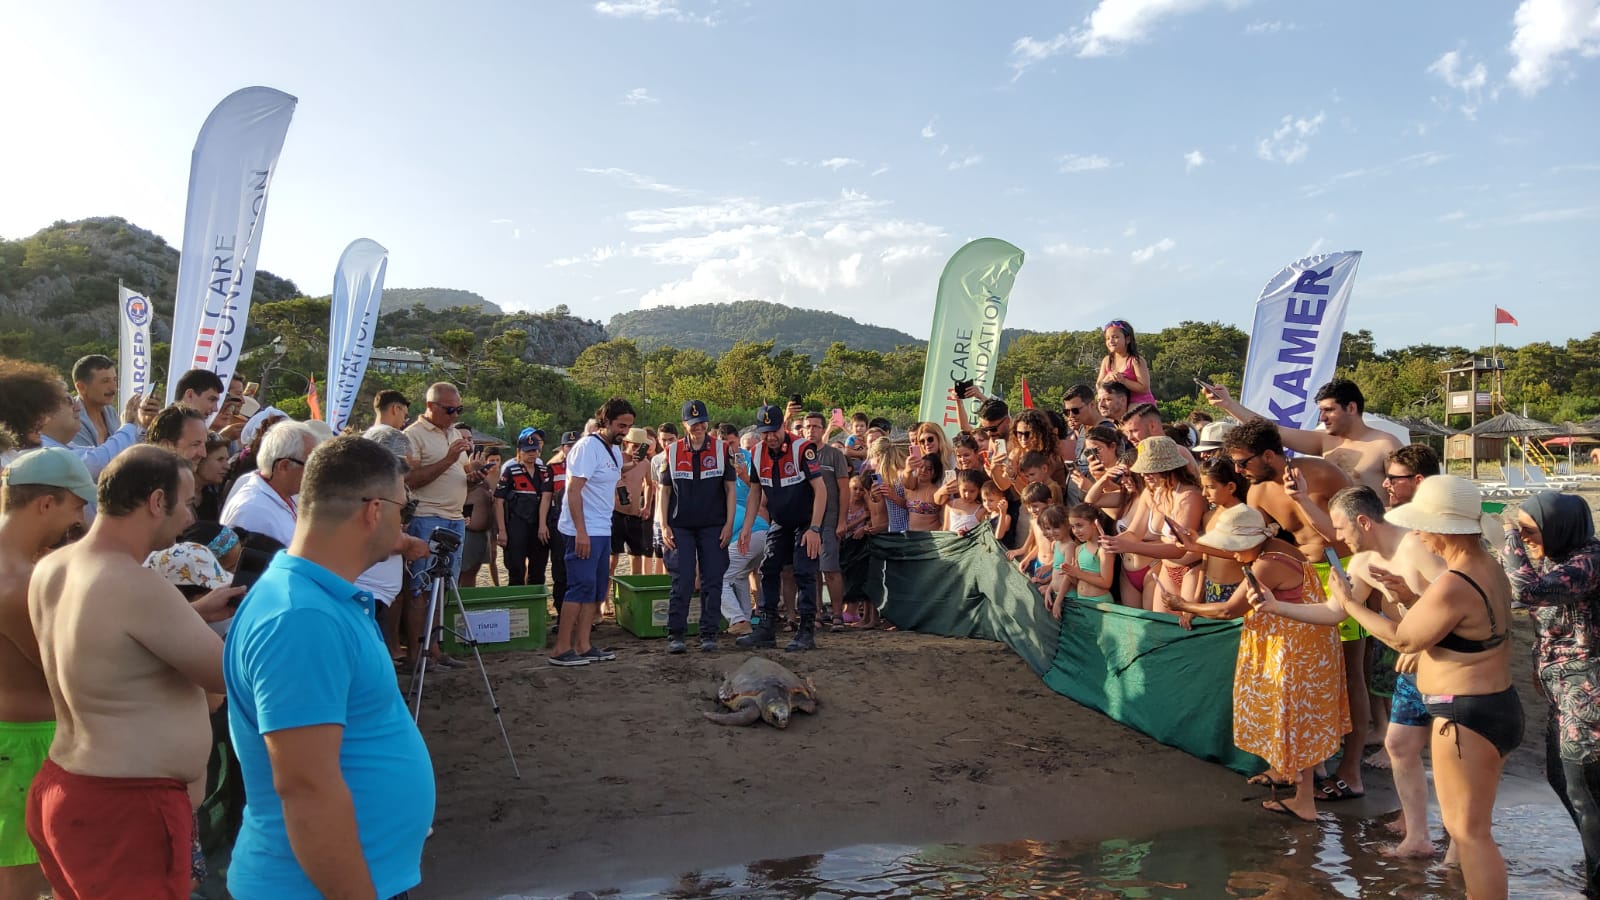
x=402 y=360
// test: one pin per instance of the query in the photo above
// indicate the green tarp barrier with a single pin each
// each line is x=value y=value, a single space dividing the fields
x=1137 y=667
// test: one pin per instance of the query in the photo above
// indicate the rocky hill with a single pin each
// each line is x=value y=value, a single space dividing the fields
x=435 y=300
x=58 y=288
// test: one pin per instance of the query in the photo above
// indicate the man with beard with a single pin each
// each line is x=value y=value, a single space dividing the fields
x=594 y=466
x=128 y=663
x=42 y=495
x=1349 y=442
x=1405 y=469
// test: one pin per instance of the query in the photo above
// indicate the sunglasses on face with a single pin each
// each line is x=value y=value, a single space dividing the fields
x=1022 y=432
x=450 y=410
x=1239 y=464
x=1073 y=410
x=1396 y=476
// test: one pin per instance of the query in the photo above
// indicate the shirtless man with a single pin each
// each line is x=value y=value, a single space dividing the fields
x=1257 y=452
x=43 y=495
x=630 y=520
x=128 y=663
x=1392 y=567
x=1349 y=442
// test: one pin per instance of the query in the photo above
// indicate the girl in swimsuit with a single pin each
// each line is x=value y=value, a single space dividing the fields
x=964 y=511
x=1223 y=488
x=1089 y=564
x=1053 y=527
x=921 y=478
x=1123 y=364
x=1460 y=625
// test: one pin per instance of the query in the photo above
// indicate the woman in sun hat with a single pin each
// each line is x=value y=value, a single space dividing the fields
x=1172 y=495
x=1461 y=625
x=1553 y=560
x=1289 y=703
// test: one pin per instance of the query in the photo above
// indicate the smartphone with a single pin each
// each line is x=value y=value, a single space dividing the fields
x=1172 y=527
x=154 y=390
x=1121 y=527
x=251 y=388
x=999 y=446
x=1203 y=384
x=1337 y=567
x=1083 y=467
x=795 y=399
x=1251 y=577
x=962 y=387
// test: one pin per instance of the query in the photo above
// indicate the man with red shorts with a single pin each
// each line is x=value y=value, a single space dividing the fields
x=128 y=662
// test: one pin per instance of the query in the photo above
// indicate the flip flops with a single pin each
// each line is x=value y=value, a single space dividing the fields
x=1332 y=790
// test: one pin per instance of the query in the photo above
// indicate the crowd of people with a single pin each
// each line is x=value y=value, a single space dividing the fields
x=1367 y=580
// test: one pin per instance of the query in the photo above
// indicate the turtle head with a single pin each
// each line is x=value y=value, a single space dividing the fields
x=776 y=711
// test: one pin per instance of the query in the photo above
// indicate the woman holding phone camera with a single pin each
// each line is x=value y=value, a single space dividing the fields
x=1173 y=502
x=1289 y=702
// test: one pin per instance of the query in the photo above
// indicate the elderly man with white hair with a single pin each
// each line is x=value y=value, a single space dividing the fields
x=264 y=500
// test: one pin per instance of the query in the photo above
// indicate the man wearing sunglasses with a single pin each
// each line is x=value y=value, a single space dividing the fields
x=1404 y=470
x=442 y=465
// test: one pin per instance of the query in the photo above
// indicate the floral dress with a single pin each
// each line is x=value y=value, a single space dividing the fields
x=1564 y=600
x=1289 y=702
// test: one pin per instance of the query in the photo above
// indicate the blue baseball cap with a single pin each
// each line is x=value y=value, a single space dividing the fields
x=53 y=467
x=769 y=419
x=694 y=412
x=530 y=438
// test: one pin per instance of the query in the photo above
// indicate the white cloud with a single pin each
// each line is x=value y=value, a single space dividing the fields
x=848 y=253
x=650 y=10
x=839 y=162
x=1549 y=216
x=1070 y=251
x=594 y=257
x=1192 y=160
x=635 y=180
x=1427 y=278
x=638 y=96
x=928 y=129
x=1146 y=254
x=1072 y=163
x=1451 y=68
x=1108 y=29
x=1131 y=230
x=1405 y=163
x=1270 y=27
x=1289 y=142
x=1575 y=167
x=879 y=171
x=1453 y=216
x=1547 y=31
x=966 y=162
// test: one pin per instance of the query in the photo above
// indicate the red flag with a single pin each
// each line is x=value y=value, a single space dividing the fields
x=1027 y=395
x=311 y=400
x=1501 y=317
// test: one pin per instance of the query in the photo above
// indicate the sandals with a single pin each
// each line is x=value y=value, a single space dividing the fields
x=1266 y=780
x=1332 y=790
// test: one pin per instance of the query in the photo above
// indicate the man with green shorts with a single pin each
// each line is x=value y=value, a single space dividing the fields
x=43 y=494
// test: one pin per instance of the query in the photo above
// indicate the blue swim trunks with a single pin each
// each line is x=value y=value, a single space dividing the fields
x=1407 y=707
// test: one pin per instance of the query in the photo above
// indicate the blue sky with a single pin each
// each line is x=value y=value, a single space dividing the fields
x=1159 y=159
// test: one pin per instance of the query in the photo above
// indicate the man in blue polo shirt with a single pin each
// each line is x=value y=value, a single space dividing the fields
x=339 y=781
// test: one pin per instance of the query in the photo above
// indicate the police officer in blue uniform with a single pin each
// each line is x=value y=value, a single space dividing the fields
x=695 y=513
x=786 y=467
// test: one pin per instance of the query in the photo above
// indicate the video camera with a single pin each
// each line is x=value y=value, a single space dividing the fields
x=442 y=543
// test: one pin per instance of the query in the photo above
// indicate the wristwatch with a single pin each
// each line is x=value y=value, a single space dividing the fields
x=817 y=529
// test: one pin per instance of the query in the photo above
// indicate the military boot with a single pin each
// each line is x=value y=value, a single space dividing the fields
x=805 y=638
x=762 y=634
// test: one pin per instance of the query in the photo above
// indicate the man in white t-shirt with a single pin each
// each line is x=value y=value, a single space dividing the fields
x=264 y=500
x=594 y=466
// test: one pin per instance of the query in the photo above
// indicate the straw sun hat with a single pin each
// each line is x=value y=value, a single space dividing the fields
x=1239 y=527
x=1443 y=504
x=1158 y=454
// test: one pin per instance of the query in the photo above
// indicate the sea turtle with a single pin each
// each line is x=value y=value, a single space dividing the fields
x=762 y=689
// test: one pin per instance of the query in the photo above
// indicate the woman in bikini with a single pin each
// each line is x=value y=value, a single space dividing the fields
x=1289 y=703
x=1172 y=497
x=921 y=479
x=1460 y=625
x=1122 y=496
x=1123 y=364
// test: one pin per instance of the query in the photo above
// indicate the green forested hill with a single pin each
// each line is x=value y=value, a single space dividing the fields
x=435 y=300
x=716 y=327
x=58 y=287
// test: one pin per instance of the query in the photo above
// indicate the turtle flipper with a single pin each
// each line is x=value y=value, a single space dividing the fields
x=747 y=713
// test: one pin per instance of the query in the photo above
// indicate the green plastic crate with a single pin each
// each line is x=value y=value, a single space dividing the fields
x=1493 y=507
x=642 y=601
x=526 y=613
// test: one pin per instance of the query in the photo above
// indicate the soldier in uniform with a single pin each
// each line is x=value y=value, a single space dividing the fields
x=695 y=512
x=786 y=467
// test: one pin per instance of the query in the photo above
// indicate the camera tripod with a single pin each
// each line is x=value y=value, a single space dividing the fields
x=444 y=542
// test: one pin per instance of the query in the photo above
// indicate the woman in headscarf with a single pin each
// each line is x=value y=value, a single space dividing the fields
x=1553 y=560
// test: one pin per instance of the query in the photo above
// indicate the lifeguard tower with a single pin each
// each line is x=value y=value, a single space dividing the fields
x=1472 y=389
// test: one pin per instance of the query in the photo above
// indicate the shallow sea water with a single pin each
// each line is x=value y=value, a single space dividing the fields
x=1336 y=857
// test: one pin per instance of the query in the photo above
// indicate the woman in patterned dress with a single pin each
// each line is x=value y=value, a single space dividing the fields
x=1289 y=703
x=1553 y=560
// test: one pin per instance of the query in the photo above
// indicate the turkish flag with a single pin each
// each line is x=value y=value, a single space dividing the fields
x=1501 y=317
x=1027 y=395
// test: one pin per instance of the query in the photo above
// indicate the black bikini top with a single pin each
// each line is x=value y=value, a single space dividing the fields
x=1459 y=644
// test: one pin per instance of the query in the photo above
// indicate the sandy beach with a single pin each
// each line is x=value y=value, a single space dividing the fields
x=918 y=739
